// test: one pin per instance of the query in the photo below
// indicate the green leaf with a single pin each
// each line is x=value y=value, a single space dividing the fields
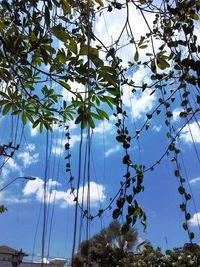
x=131 y=210
x=29 y=117
x=192 y=235
x=48 y=126
x=4 y=95
x=125 y=228
x=177 y=173
x=64 y=84
x=100 y=2
x=187 y=216
x=24 y=118
x=35 y=124
x=72 y=46
x=91 y=50
x=120 y=202
x=79 y=119
x=33 y=38
x=187 y=197
x=162 y=63
x=183 y=114
x=41 y=126
x=102 y=113
x=6 y=109
x=120 y=138
x=181 y=190
x=136 y=56
x=45 y=56
x=116 y=213
x=185 y=227
x=129 y=198
x=83 y=50
x=91 y=122
x=66 y=7
x=83 y=123
x=126 y=159
x=143 y=46
x=3 y=208
x=60 y=33
x=47 y=16
x=5 y=75
x=96 y=116
x=195 y=16
x=149 y=116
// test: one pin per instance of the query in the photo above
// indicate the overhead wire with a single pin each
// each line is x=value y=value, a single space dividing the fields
x=190 y=188
x=44 y=224
x=54 y=196
x=83 y=196
x=88 y=141
x=77 y=196
x=36 y=231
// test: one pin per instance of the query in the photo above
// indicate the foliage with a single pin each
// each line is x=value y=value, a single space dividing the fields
x=189 y=255
x=2 y=208
x=47 y=46
x=37 y=50
x=106 y=247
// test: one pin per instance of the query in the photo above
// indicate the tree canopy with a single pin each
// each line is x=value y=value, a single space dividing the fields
x=107 y=247
x=185 y=256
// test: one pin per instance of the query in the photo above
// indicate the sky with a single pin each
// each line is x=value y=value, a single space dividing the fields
x=21 y=226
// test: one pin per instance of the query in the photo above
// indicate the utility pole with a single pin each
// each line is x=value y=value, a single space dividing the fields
x=8 y=150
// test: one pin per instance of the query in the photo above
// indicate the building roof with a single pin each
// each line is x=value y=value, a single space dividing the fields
x=11 y=251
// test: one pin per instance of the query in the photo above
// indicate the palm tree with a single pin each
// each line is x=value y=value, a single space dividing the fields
x=116 y=239
x=108 y=246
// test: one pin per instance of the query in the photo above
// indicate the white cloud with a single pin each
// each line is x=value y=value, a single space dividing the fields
x=176 y=113
x=191 y=133
x=59 y=144
x=28 y=159
x=115 y=118
x=140 y=104
x=34 y=187
x=112 y=151
x=103 y=127
x=52 y=183
x=195 y=220
x=110 y=31
x=74 y=139
x=157 y=128
x=60 y=128
x=194 y=180
x=10 y=167
x=75 y=87
x=33 y=131
x=97 y=194
x=58 y=150
x=142 y=75
x=64 y=198
x=30 y=147
x=4 y=198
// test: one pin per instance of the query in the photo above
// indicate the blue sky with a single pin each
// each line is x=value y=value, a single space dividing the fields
x=21 y=226
x=160 y=198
